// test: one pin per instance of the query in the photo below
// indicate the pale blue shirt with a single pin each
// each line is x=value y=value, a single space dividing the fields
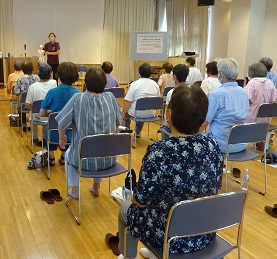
x=273 y=77
x=228 y=106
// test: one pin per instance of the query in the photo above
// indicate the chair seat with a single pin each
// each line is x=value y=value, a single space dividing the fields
x=116 y=169
x=155 y=118
x=218 y=249
x=244 y=155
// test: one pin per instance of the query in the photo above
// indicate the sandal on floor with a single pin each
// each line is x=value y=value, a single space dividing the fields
x=52 y=161
x=61 y=160
x=47 y=197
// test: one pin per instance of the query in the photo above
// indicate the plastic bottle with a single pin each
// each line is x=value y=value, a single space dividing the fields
x=245 y=180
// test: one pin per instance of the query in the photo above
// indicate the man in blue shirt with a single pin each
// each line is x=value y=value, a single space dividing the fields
x=228 y=105
x=270 y=74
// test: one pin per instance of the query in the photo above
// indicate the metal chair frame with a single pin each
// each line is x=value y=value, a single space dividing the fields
x=268 y=110
x=143 y=104
x=203 y=216
x=101 y=146
x=22 y=109
x=245 y=134
x=36 y=105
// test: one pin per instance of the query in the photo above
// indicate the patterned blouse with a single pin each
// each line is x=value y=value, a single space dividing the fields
x=24 y=82
x=175 y=169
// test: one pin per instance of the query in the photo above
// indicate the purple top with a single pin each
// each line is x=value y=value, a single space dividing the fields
x=52 y=47
x=111 y=81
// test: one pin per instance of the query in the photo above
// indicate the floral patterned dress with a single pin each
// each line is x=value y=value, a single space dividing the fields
x=175 y=169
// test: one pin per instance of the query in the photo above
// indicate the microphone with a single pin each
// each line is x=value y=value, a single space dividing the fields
x=25 y=50
x=24 y=46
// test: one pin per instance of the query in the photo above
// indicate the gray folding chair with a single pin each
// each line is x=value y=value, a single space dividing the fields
x=35 y=120
x=52 y=126
x=22 y=109
x=118 y=92
x=202 y=216
x=101 y=146
x=147 y=103
x=268 y=110
x=244 y=134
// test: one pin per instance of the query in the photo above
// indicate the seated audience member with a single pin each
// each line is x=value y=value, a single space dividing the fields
x=143 y=87
x=211 y=83
x=56 y=99
x=260 y=90
x=89 y=113
x=180 y=73
x=198 y=170
x=194 y=72
x=166 y=78
x=228 y=106
x=12 y=78
x=111 y=80
x=24 y=82
x=38 y=91
x=270 y=74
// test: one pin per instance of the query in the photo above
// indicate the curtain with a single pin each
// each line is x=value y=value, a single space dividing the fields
x=6 y=27
x=122 y=17
x=187 y=26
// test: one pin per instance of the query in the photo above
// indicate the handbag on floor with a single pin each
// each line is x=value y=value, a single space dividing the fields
x=38 y=161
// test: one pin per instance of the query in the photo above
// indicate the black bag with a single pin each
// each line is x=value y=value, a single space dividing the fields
x=15 y=120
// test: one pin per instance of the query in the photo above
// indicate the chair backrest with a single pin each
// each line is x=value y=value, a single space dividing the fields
x=52 y=123
x=248 y=133
x=105 y=145
x=240 y=82
x=205 y=215
x=156 y=79
x=22 y=98
x=82 y=68
x=167 y=89
x=36 y=106
x=149 y=103
x=267 y=110
x=118 y=92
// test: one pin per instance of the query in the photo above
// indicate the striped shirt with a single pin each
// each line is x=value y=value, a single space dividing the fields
x=90 y=114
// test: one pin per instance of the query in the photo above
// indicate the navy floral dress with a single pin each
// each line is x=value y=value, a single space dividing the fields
x=175 y=169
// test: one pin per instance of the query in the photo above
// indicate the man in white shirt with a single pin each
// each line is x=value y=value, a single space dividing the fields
x=211 y=83
x=143 y=87
x=38 y=90
x=194 y=73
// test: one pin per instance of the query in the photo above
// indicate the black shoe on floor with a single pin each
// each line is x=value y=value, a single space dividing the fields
x=39 y=143
x=26 y=129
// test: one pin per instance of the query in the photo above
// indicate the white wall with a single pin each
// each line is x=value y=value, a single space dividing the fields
x=77 y=24
x=244 y=30
x=269 y=37
x=219 y=30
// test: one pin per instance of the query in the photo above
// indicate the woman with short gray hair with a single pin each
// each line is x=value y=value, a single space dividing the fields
x=229 y=68
x=270 y=74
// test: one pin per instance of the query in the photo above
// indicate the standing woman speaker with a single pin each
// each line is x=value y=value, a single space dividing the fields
x=52 y=51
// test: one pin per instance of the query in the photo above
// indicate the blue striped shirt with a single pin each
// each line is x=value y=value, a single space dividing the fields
x=90 y=114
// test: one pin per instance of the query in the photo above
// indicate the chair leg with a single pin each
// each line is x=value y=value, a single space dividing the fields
x=48 y=162
x=135 y=135
x=78 y=219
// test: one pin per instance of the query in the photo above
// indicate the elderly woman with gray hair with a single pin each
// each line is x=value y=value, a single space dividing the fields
x=260 y=90
x=270 y=74
x=228 y=105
